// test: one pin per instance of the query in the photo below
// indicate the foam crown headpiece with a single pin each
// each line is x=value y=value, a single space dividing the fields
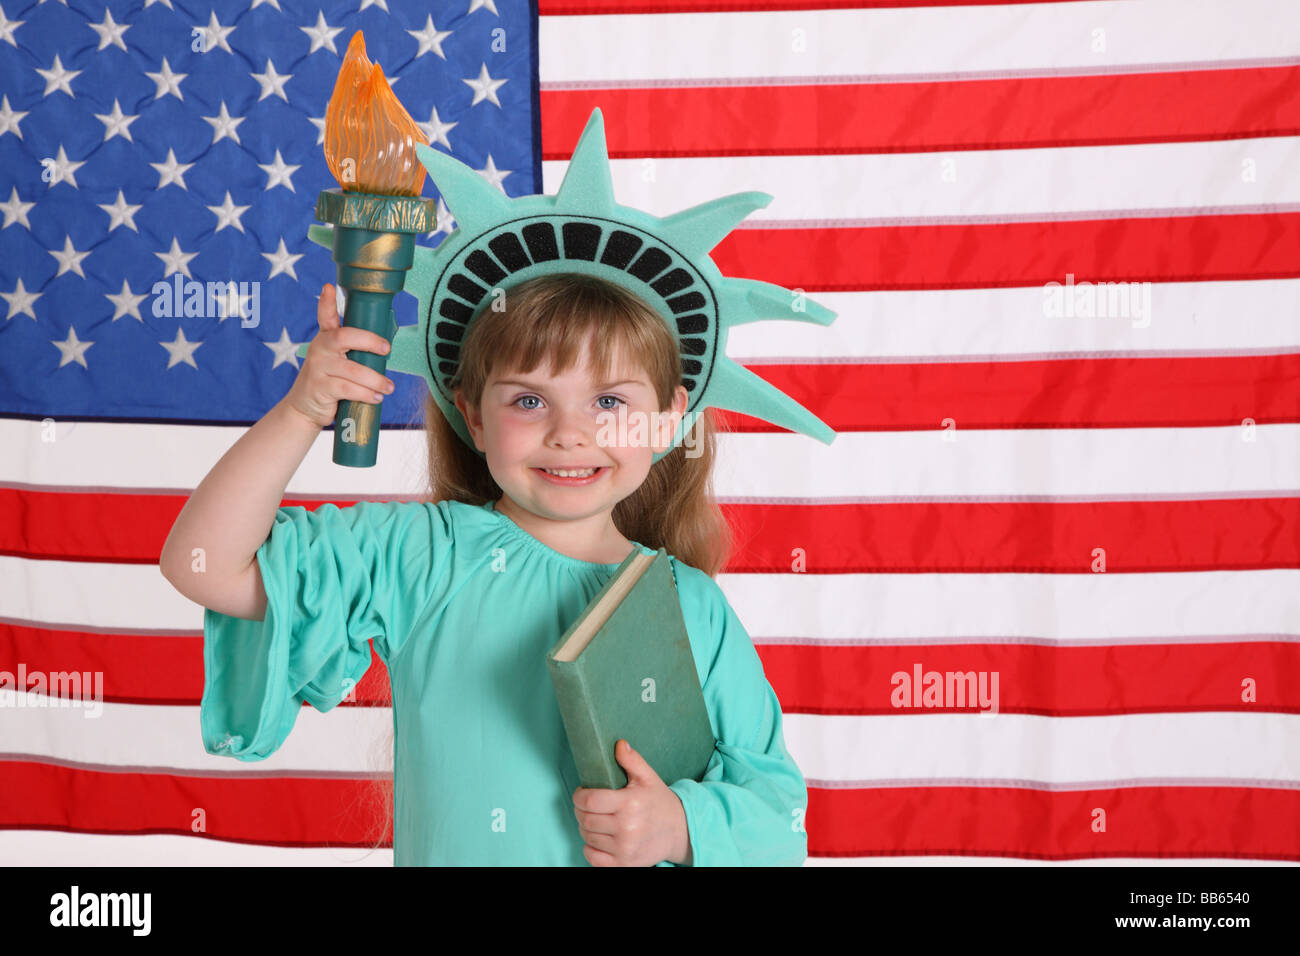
x=500 y=241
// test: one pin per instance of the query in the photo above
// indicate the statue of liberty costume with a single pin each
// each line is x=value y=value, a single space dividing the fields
x=462 y=604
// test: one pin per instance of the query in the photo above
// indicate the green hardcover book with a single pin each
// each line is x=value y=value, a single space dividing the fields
x=624 y=669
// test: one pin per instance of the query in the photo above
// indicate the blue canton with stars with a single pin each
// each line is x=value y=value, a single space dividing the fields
x=156 y=141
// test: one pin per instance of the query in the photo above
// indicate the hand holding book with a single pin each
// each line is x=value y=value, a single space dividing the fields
x=637 y=825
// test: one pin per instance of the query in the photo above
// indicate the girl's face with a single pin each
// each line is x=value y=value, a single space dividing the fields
x=528 y=422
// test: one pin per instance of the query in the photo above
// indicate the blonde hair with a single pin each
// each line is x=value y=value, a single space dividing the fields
x=548 y=321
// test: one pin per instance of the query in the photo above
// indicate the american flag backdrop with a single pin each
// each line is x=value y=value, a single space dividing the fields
x=1063 y=240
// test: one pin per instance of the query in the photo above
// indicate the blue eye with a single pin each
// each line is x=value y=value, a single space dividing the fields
x=532 y=408
x=610 y=408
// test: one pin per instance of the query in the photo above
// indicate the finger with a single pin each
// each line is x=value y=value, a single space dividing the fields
x=356 y=372
x=598 y=857
x=596 y=822
x=597 y=800
x=348 y=338
x=352 y=371
x=600 y=841
x=327 y=315
x=346 y=389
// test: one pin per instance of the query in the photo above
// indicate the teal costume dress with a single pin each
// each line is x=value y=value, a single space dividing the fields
x=462 y=605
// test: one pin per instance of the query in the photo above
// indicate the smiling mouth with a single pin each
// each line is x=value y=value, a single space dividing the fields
x=571 y=472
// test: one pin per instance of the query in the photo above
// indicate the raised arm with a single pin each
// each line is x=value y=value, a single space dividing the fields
x=210 y=554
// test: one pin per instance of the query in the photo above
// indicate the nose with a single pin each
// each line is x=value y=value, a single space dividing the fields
x=570 y=428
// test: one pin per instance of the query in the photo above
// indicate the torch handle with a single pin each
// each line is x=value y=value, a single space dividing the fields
x=372 y=268
x=356 y=424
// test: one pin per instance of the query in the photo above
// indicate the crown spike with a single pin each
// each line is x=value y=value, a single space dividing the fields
x=741 y=390
x=749 y=300
x=697 y=230
x=474 y=202
x=588 y=183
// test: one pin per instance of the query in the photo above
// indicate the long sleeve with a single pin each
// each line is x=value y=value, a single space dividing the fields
x=749 y=807
x=334 y=578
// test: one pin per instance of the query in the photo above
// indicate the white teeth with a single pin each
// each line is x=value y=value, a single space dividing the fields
x=570 y=473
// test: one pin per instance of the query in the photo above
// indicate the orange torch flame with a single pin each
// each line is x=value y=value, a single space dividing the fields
x=370 y=139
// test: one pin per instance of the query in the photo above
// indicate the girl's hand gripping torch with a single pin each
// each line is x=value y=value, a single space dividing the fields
x=376 y=213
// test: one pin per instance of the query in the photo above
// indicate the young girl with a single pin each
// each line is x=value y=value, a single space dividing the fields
x=464 y=594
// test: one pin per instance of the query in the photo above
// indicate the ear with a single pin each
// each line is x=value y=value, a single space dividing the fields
x=670 y=418
x=473 y=419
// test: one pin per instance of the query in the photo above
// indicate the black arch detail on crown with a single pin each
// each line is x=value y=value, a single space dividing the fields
x=665 y=271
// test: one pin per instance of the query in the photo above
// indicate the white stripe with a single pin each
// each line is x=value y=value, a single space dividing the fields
x=897 y=43
x=1183 y=319
x=1212 y=749
x=1148 y=179
x=54 y=848
x=1209 y=749
x=793 y=608
x=1002 y=463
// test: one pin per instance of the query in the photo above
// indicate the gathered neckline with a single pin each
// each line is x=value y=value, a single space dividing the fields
x=527 y=537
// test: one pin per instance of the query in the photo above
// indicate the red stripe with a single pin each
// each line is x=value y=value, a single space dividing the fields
x=1050 y=681
x=1000 y=255
x=138 y=668
x=565 y=8
x=269 y=810
x=1219 y=821
x=909 y=117
x=1056 y=537
x=1232 y=534
x=1156 y=392
x=811 y=678
x=1126 y=392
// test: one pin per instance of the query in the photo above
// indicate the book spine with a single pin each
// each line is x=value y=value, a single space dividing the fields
x=579 y=716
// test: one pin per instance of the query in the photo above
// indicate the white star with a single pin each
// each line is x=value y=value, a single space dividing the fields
x=272 y=82
x=322 y=35
x=63 y=168
x=9 y=119
x=125 y=302
x=282 y=261
x=430 y=38
x=171 y=171
x=73 y=349
x=224 y=125
x=443 y=220
x=436 y=130
x=69 y=259
x=7 y=28
x=167 y=81
x=110 y=32
x=119 y=213
x=286 y=350
x=493 y=175
x=485 y=4
x=176 y=260
x=484 y=87
x=214 y=34
x=150 y=3
x=231 y=302
x=15 y=209
x=278 y=173
x=319 y=123
x=382 y=4
x=258 y=3
x=21 y=300
x=57 y=78
x=228 y=214
x=116 y=124
x=180 y=349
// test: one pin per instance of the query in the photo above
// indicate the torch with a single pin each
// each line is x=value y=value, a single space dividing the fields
x=376 y=213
